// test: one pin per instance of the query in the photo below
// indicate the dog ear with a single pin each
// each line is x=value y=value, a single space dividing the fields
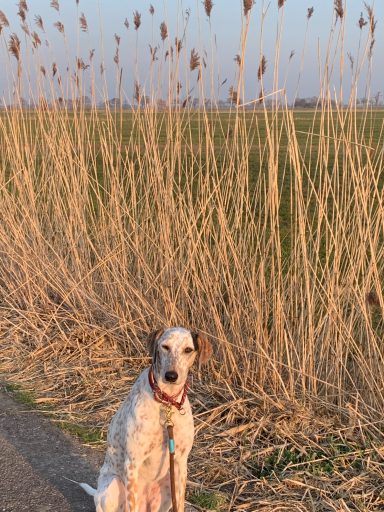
x=152 y=339
x=203 y=347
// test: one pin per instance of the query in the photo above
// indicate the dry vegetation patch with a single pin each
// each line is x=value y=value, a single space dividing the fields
x=261 y=227
x=252 y=452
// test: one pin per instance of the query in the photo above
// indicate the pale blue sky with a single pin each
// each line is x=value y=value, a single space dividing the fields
x=225 y=28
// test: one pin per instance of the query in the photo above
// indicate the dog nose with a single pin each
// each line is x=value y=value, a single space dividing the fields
x=171 y=376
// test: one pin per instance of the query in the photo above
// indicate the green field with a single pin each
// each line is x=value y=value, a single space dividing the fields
x=263 y=229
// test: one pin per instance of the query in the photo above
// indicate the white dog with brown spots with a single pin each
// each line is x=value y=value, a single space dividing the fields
x=135 y=476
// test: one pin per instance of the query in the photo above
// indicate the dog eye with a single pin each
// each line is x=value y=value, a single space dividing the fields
x=188 y=350
x=165 y=347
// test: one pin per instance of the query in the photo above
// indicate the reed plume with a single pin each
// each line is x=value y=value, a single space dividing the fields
x=362 y=22
x=291 y=55
x=371 y=18
x=3 y=20
x=25 y=28
x=237 y=59
x=262 y=68
x=163 y=31
x=372 y=27
x=22 y=15
x=36 y=41
x=137 y=93
x=116 y=58
x=208 y=4
x=55 y=5
x=280 y=3
x=23 y=5
x=310 y=12
x=153 y=52
x=248 y=4
x=54 y=69
x=83 y=23
x=351 y=60
x=339 y=9
x=233 y=96
x=178 y=45
x=59 y=26
x=126 y=23
x=117 y=39
x=151 y=10
x=194 y=61
x=137 y=19
x=14 y=46
x=91 y=54
x=43 y=70
x=39 y=22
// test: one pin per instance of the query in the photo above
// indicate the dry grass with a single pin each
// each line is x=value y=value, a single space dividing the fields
x=108 y=232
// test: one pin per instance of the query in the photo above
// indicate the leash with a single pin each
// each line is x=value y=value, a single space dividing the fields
x=171 y=446
x=169 y=401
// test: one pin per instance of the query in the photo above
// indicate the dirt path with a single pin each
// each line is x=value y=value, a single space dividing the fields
x=34 y=457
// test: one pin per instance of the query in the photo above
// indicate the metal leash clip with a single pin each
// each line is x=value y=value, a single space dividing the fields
x=168 y=415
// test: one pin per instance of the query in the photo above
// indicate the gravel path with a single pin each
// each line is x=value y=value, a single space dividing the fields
x=34 y=457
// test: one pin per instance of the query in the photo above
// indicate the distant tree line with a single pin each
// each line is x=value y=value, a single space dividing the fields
x=85 y=102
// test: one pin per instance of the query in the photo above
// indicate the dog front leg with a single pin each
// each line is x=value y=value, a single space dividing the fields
x=131 y=487
x=182 y=483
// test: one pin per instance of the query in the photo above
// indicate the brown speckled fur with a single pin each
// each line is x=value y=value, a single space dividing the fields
x=135 y=473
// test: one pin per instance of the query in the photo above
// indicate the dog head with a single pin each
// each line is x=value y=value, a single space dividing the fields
x=174 y=351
